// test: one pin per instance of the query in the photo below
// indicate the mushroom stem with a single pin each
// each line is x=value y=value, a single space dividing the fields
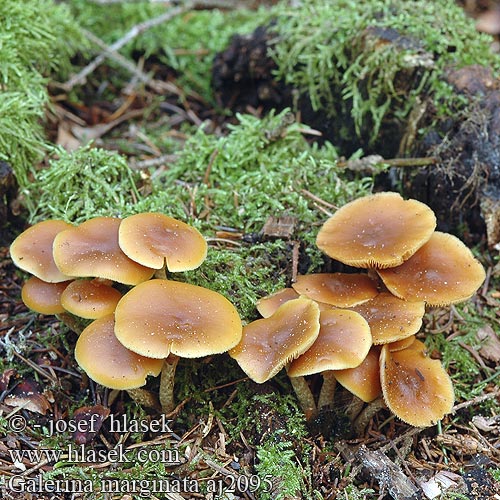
x=305 y=396
x=354 y=408
x=144 y=398
x=367 y=413
x=161 y=273
x=166 y=393
x=327 y=391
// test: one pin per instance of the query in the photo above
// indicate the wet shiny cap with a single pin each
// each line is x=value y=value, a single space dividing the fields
x=108 y=362
x=151 y=239
x=343 y=342
x=442 y=272
x=380 y=230
x=90 y=299
x=336 y=289
x=415 y=387
x=269 y=344
x=160 y=317
x=91 y=250
x=31 y=251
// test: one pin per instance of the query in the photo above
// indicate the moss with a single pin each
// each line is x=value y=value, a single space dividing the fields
x=323 y=50
x=87 y=183
x=37 y=39
x=187 y=43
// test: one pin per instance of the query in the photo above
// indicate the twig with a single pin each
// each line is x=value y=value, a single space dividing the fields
x=129 y=36
x=474 y=401
x=400 y=162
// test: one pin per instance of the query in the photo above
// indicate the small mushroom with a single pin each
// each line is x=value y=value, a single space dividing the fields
x=43 y=297
x=153 y=239
x=415 y=387
x=90 y=299
x=343 y=341
x=442 y=272
x=168 y=319
x=337 y=289
x=91 y=250
x=391 y=318
x=268 y=344
x=31 y=251
x=380 y=230
x=108 y=362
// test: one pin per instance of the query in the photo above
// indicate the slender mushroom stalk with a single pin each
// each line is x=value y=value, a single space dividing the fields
x=344 y=341
x=162 y=318
x=167 y=377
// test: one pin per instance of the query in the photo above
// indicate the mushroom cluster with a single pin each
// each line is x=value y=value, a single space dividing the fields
x=144 y=331
x=362 y=333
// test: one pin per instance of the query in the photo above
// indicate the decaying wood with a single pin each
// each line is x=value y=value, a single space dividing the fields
x=388 y=474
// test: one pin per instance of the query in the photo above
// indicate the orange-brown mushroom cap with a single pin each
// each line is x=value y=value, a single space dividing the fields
x=91 y=250
x=363 y=380
x=336 y=289
x=160 y=317
x=268 y=305
x=391 y=318
x=442 y=272
x=153 y=238
x=31 y=251
x=90 y=299
x=343 y=342
x=269 y=344
x=415 y=387
x=43 y=297
x=380 y=230
x=108 y=362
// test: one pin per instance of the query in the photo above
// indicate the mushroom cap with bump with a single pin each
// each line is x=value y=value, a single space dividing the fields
x=31 y=251
x=91 y=250
x=108 y=362
x=380 y=230
x=343 y=342
x=153 y=238
x=415 y=387
x=159 y=317
x=269 y=344
x=90 y=299
x=444 y=271
x=336 y=289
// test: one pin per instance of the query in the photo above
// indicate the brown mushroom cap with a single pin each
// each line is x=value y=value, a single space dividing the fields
x=380 y=230
x=363 y=380
x=90 y=299
x=160 y=317
x=343 y=342
x=43 y=297
x=399 y=345
x=269 y=344
x=416 y=388
x=442 y=272
x=108 y=362
x=391 y=318
x=92 y=250
x=336 y=289
x=31 y=251
x=268 y=305
x=152 y=238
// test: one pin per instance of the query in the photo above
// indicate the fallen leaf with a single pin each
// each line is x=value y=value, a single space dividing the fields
x=88 y=421
x=27 y=395
x=490 y=343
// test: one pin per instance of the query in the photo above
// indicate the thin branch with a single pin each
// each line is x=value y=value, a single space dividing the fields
x=134 y=32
